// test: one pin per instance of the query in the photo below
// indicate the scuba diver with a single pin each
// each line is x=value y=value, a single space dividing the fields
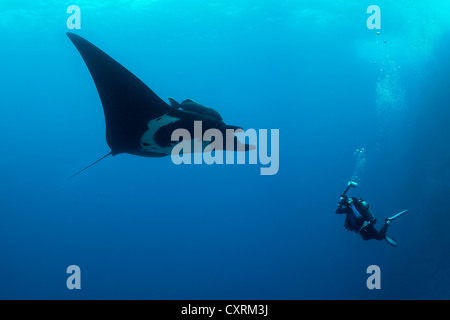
x=360 y=219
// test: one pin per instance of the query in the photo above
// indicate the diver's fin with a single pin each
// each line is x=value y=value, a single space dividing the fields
x=396 y=216
x=90 y=165
x=391 y=241
x=174 y=103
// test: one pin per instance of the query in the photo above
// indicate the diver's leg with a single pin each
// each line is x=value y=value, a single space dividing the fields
x=370 y=232
x=383 y=235
x=382 y=232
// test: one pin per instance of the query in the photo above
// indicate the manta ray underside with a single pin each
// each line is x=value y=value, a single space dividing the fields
x=138 y=122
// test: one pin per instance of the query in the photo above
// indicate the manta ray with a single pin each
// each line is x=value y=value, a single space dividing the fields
x=138 y=122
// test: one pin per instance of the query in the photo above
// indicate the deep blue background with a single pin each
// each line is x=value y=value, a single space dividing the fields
x=148 y=229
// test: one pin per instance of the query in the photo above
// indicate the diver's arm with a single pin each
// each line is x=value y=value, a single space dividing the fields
x=343 y=206
x=341 y=210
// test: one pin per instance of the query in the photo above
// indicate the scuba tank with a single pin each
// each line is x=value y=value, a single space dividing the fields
x=364 y=210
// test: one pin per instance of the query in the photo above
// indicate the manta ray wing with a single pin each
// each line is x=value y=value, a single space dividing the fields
x=127 y=102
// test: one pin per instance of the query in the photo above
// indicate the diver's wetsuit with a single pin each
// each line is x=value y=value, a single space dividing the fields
x=354 y=221
x=370 y=232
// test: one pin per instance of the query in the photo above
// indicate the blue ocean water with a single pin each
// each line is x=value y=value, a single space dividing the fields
x=144 y=228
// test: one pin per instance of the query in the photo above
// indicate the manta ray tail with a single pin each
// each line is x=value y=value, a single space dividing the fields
x=90 y=165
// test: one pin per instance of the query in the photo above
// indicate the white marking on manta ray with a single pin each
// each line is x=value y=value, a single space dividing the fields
x=148 y=142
